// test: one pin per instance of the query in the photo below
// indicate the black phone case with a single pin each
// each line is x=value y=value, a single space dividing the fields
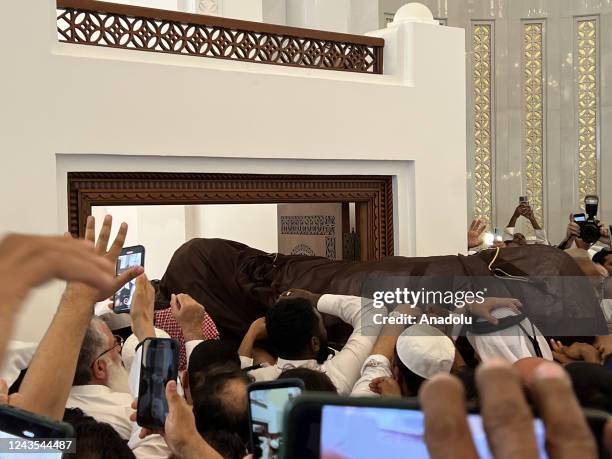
x=267 y=385
x=15 y=421
x=134 y=248
x=152 y=405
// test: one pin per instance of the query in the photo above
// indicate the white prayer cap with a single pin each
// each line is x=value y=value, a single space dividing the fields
x=425 y=350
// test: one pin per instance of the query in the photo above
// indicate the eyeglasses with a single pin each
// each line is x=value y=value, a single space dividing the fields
x=118 y=342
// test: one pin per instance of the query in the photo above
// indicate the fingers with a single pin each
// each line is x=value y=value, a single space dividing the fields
x=506 y=416
x=490 y=318
x=3 y=392
x=474 y=225
x=174 y=306
x=514 y=304
x=607 y=438
x=104 y=236
x=135 y=272
x=115 y=250
x=447 y=433
x=174 y=399
x=556 y=346
x=90 y=229
x=567 y=433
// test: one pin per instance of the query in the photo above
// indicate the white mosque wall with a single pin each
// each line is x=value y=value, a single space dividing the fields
x=68 y=107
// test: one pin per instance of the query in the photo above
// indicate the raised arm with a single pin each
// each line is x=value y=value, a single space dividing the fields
x=48 y=380
x=385 y=344
x=143 y=306
x=359 y=313
x=378 y=364
x=256 y=331
x=189 y=314
x=515 y=216
x=29 y=261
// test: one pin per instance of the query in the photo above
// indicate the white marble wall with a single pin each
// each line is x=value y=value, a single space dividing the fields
x=560 y=146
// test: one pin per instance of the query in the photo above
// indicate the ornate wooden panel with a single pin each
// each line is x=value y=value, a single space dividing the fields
x=374 y=193
x=113 y=25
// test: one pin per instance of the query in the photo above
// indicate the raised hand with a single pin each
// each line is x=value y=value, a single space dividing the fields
x=475 y=233
x=180 y=430
x=110 y=254
x=29 y=261
x=143 y=306
x=189 y=314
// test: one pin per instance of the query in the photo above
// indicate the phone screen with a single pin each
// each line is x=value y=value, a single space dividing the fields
x=367 y=432
x=130 y=257
x=158 y=366
x=267 y=407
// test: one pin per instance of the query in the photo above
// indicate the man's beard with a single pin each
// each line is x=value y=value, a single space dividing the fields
x=118 y=377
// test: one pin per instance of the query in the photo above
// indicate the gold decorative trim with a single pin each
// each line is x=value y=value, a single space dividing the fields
x=533 y=115
x=482 y=64
x=587 y=90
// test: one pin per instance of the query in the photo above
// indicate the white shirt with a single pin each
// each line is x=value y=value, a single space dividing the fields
x=344 y=368
x=375 y=366
x=540 y=235
x=114 y=408
x=18 y=357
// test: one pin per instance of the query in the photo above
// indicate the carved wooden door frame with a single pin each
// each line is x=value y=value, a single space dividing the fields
x=373 y=196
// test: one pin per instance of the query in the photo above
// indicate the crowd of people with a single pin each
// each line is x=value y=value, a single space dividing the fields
x=85 y=369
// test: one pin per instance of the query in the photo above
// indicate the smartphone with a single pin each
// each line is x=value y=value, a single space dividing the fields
x=579 y=218
x=497 y=234
x=267 y=403
x=18 y=427
x=333 y=427
x=523 y=200
x=159 y=364
x=130 y=257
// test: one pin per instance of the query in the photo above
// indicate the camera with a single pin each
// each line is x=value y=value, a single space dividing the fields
x=589 y=225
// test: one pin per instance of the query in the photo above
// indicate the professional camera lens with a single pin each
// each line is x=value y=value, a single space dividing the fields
x=589 y=232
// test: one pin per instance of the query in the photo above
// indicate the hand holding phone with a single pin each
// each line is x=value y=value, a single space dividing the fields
x=267 y=403
x=129 y=257
x=159 y=364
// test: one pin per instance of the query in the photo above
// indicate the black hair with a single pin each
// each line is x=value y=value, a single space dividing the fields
x=228 y=444
x=411 y=379
x=291 y=323
x=216 y=406
x=600 y=257
x=209 y=354
x=313 y=380
x=95 y=440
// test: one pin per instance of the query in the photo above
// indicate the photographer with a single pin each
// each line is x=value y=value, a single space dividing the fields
x=585 y=230
x=524 y=210
x=573 y=237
